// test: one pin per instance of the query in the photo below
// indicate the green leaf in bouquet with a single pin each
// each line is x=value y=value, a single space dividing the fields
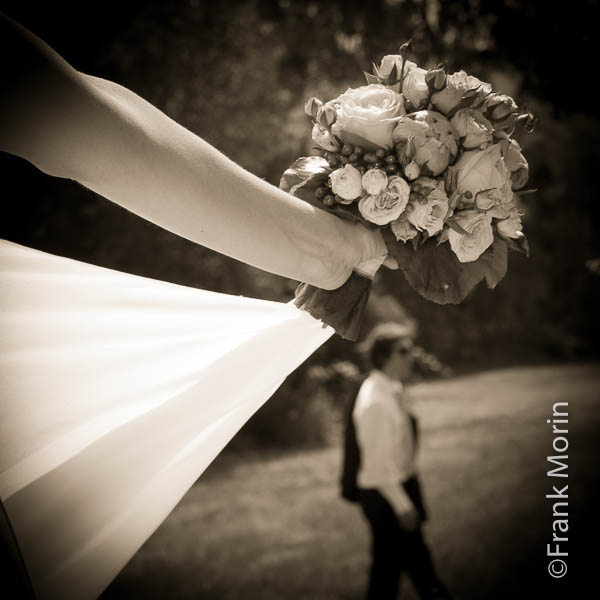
x=526 y=192
x=370 y=78
x=302 y=171
x=443 y=237
x=396 y=87
x=494 y=262
x=416 y=241
x=392 y=78
x=434 y=271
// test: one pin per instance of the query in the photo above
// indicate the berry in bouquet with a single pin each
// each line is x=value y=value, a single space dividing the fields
x=431 y=159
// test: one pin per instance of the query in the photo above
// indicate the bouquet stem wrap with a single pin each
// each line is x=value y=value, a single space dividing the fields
x=342 y=308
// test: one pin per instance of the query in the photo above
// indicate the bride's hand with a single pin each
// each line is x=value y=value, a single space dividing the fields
x=374 y=254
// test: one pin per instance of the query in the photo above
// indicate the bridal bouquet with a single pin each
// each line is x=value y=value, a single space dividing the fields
x=430 y=158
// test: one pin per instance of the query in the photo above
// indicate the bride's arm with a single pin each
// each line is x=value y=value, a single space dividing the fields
x=112 y=141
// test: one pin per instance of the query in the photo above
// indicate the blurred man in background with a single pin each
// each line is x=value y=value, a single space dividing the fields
x=380 y=472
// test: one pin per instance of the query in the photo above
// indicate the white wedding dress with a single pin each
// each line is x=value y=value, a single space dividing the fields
x=116 y=393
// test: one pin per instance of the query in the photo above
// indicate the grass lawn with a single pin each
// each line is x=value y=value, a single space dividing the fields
x=276 y=528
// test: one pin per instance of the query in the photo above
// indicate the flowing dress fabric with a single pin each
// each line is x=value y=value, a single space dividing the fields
x=116 y=393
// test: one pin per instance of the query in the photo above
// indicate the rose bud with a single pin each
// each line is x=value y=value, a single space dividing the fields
x=405 y=150
x=414 y=87
x=374 y=181
x=510 y=227
x=412 y=170
x=435 y=79
x=526 y=123
x=499 y=106
x=346 y=182
x=327 y=116
x=312 y=107
x=323 y=137
x=389 y=68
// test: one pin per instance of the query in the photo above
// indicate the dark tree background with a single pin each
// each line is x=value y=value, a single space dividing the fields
x=237 y=73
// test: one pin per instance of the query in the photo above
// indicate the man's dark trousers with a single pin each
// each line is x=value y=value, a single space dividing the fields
x=395 y=550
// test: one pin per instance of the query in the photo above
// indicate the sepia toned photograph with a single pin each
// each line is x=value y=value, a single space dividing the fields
x=299 y=300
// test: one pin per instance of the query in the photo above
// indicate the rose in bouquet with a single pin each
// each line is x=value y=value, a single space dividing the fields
x=432 y=160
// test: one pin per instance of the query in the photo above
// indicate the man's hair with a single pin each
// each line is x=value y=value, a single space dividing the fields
x=381 y=341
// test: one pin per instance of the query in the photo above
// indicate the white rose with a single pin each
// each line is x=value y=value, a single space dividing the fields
x=374 y=181
x=371 y=112
x=516 y=163
x=414 y=87
x=388 y=205
x=429 y=213
x=402 y=229
x=346 y=182
x=457 y=84
x=511 y=227
x=479 y=238
x=485 y=179
x=433 y=136
x=433 y=155
x=474 y=129
x=323 y=138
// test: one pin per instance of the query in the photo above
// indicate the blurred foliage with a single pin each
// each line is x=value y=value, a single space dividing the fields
x=238 y=73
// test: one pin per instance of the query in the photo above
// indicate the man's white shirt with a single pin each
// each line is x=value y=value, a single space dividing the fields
x=385 y=436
